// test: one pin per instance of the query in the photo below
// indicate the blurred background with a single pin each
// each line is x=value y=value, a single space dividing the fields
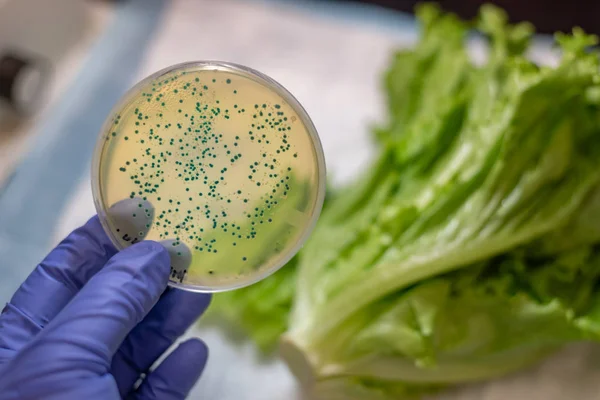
x=65 y=63
x=547 y=16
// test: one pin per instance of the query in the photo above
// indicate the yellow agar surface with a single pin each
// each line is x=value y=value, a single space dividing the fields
x=218 y=167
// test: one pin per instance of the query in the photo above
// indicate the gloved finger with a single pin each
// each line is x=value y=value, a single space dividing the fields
x=175 y=377
x=89 y=330
x=169 y=319
x=52 y=285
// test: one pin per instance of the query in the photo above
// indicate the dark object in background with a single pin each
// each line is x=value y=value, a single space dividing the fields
x=548 y=16
x=22 y=81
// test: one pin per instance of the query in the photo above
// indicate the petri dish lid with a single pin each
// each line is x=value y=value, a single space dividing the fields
x=220 y=164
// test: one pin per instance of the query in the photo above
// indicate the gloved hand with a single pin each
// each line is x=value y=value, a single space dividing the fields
x=89 y=322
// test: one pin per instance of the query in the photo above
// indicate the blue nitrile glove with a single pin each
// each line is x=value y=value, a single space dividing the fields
x=89 y=322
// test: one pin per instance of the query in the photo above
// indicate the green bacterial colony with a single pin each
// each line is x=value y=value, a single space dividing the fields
x=209 y=172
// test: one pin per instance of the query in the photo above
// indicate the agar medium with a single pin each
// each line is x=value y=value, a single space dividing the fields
x=217 y=162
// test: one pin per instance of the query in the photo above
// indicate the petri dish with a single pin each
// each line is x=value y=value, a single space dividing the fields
x=217 y=162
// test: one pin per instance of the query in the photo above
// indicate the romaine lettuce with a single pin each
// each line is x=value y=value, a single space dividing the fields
x=471 y=248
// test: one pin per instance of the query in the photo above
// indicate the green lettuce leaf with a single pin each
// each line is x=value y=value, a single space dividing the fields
x=481 y=322
x=261 y=310
x=469 y=249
